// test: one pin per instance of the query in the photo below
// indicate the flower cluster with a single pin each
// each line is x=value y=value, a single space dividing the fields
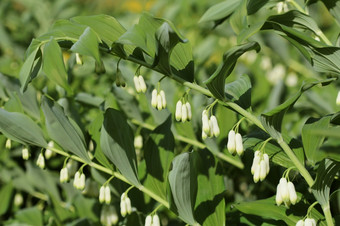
x=125 y=205
x=25 y=154
x=139 y=84
x=260 y=166
x=108 y=215
x=210 y=125
x=158 y=100
x=105 y=194
x=152 y=220
x=235 y=144
x=285 y=193
x=79 y=181
x=64 y=175
x=183 y=111
x=41 y=161
x=306 y=222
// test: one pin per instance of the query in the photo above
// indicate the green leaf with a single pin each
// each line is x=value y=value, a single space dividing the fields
x=220 y=12
x=334 y=8
x=30 y=68
x=158 y=154
x=216 y=82
x=87 y=45
x=21 y=128
x=238 y=19
x=324 y=178
x=6 y=193
x=255 y=5
x=239 y=91
x=272 y=120
x=86 y=207
x=183 y=185
x=53 y=64
x=30 y=216
x=62 y=131
x=116 y=141
x=210 y=203
x=107 y=27
x=312 y=143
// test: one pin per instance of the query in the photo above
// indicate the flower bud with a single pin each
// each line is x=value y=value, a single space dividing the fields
x=137 y=85
x=300 y=223
x=8 y=144
x=163 y=99
x=76 y=179
x=278 y=197
x=107 y=194
x=178 y=114
x=205 y=122
x=159 y=102
x=284 y=190
x=25 y=154
x=239 y=144
x=257 y=171
x=102 y=194
x=292 y=193
x=256 y=161
x=138 y=142
x=204 y=135
x=338 y=99
x=263 y=170
x=155 y=220
x=266 y=159
x=112 y=215
x=41 y=161
x=142 y=84
x=154 y=98
x=148 y=221
x=18 y=199
x=215 y=127
x=82 y=181
x=48 y=152
x=211 y=132
x=231 y=145
x=187 y=104
x=64 y=175
x=184 y=113
x=310 y=222
x=123 y=210
x=128 y=205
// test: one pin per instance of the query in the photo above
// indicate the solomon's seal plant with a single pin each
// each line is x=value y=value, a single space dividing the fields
x=259 y=118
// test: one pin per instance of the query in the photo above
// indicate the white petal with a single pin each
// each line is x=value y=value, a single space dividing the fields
x=310 y=222
x=155 y=220
x=263 y=170
x=300 y=223
x=154 y=98
x=148 y=221
x=137 y=85
x=107 y=194
x=284 y=189
x=187 y=104
x=204 y=135
x=205 y=123
x=184 y=113
x=215 y=127
x=142 y=84
x=101 y=194
x=239 y=144
x=128 y=205
x=123 y=210
x=256 y=176
x=178 y=114
x=159 y=102
x=292 y=193
x=256 y=161
x=163 y=98
x=278 y=197
x=266 y=159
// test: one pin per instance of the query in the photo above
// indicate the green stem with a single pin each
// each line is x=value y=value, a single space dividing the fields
x=303 y=171
x=327 y=212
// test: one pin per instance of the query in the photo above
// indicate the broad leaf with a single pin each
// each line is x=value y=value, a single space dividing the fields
x=238 y=19
x=272 y=120
x=87 y=44
x=239 y=91
x=183 y=185
x=116 y=141
x=210 y=203
x=216 y=82
x=6 y=193
x=324 y=178
x=30 y=68
x=30 y=216
x=21 y=128
x=62 y=131
x=53 y=64
x=334 y=8
x=312 y=143
x=158 y=154
x=220 y=12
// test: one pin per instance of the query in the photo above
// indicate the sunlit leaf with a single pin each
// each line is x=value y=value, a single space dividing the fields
x=220 y=12
x=62 y=131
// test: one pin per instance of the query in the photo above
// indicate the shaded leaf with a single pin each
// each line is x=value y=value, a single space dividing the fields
x=312 y=143
x=21 y=128
x=6 y=193
x=29 y=69
x=239 y=91
x=158 y=154
x=53 y=64
x=183 y=185
x=62 y=131
x=30 y=216
x=220 y=12
x=334 y=8
x=116 y=142
x=216 y=82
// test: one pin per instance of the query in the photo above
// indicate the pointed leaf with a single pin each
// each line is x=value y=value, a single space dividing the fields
x=216 y=82
x=239 y=91
x=183 y=184
x=210 y=203
x=312 y=143
x=116 y=142
x=61 y=130
x=53 y=64
x=28 y=71
x=21 y=128
x=272 y=120
x=87 y=45
x=158 y=154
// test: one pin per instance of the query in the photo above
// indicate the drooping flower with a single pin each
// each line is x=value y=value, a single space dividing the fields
x=25 y=154
x=64 y=175
x=285 y=193
x=125 y=205
x=239 y=144
x=41 y=161
x=310 y=222
x=231 y=145
x=178 y=112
